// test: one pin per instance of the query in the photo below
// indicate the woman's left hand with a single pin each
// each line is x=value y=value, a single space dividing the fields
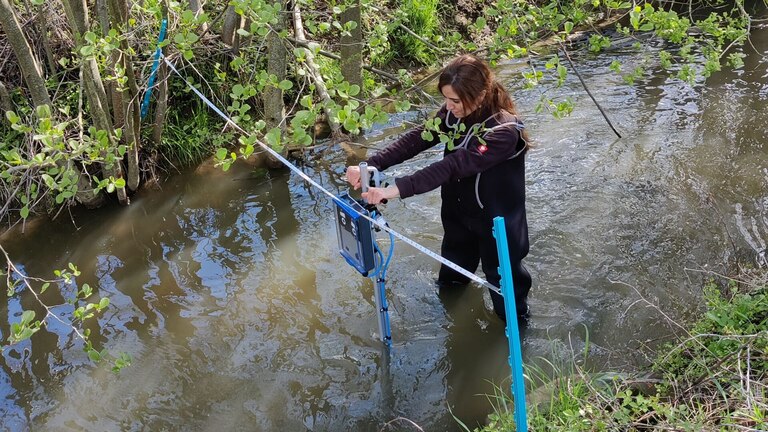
x=376 y=195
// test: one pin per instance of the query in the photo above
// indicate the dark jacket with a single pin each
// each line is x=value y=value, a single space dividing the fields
x=484 y=178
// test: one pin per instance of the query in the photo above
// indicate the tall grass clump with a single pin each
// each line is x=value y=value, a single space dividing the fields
x=190 y=138
x=420 y=16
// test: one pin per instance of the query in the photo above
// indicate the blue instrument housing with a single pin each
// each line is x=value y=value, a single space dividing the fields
x=355 y=234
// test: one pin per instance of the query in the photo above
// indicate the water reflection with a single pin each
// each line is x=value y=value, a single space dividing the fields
x=228 y=293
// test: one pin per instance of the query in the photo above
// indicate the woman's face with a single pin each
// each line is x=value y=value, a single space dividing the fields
x=454 y=104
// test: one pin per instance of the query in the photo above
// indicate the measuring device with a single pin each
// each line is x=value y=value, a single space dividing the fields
x=357 y=242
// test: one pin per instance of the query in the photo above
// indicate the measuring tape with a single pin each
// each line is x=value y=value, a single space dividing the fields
x=292 y=167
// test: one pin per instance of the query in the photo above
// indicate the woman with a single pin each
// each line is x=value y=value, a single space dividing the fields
x=482 y=175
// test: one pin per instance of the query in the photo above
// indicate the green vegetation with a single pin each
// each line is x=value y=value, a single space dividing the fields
x=78 y=312
x=713 y=378
x=277 y=72
x=72 y=133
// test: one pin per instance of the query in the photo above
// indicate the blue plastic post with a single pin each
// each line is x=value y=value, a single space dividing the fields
x=153 y=74
x=513 y=333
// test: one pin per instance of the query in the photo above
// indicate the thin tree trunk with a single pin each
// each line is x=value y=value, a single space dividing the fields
x=162 y=104
x=314 y=73
x=110 y=88
x=30 y=67
x=5 y=101
x=84 y=195
x=352 y=47
x=77 y=15
x=42 y=21
x=231 y=22
x=196 y=6
x=129 y=99
x=274 y=106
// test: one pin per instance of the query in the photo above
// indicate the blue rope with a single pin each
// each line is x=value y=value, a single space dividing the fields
x=153 y=74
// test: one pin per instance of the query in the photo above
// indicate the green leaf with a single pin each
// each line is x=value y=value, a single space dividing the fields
x=568 y=27
x=27 y=317
x=285 y=85
x=12 y=117
x=24 y=212
x=103 y=303
x=87 y=51
x=25 y=334
x=94 y=355
x=43 y=111
x=44 y=287
x=221 y=153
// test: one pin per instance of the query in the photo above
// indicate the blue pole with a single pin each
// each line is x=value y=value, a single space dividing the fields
x=513 y=333
x=153 y=74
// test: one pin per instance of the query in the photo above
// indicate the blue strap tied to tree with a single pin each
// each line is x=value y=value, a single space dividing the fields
x=153 y=74
x=513 y=333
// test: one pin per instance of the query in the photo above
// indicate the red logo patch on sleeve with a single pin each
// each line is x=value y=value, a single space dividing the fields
x=482 y=148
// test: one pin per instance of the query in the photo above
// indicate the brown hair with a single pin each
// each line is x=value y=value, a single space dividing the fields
x=469 y=76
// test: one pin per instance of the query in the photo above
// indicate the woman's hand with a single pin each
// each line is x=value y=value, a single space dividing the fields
x=376 y=195
x=353 y=176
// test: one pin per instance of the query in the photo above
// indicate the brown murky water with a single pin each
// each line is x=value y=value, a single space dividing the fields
x=228 y=292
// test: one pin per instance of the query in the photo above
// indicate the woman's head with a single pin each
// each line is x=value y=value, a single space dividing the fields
x=468 y=84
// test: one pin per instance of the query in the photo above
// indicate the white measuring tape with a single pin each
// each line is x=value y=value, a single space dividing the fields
x=292 y=167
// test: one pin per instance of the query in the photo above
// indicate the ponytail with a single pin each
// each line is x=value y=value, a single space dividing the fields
x=498 y=99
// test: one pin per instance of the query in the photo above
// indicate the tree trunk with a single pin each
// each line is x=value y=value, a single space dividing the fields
x=5 y=102
x=30 y=67
x=118 y=115
x=162 y=104
x=42 y=21
x=274 y=106
x=196 y=6
x=352 y=47
x=77 y=15
x=231 y=23
x=129 y=100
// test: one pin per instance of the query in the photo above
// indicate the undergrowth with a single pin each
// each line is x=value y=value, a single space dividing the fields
x=713 y=378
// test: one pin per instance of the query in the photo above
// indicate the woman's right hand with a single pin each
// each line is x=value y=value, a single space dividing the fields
x=353 y=176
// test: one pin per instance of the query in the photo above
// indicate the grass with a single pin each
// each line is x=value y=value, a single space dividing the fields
x=422 y=17
x=714 y=378
x=188 y=139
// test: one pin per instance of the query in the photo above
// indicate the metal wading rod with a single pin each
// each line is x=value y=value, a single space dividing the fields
x=300 y=173
x=379 y=287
